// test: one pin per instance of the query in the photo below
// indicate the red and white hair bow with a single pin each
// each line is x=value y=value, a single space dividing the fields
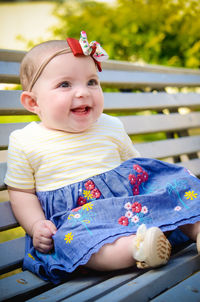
x=83 y=47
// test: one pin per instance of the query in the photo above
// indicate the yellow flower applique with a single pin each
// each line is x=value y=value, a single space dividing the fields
x=190 y=195
x=69 y=237
x=87 y=206
x=87 y=194
x=30 y=256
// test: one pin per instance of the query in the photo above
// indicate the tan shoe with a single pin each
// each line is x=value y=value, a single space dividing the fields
x=151 y=248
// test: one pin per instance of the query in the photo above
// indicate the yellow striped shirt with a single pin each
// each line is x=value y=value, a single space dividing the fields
x=47 y=159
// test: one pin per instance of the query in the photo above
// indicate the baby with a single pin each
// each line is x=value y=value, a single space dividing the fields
x=76 y=183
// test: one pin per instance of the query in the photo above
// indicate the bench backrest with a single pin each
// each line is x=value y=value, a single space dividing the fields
x=159 y=106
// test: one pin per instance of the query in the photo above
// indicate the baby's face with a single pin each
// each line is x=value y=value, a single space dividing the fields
x=68 y=93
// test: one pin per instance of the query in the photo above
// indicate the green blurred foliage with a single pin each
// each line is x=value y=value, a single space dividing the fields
x=152 y=31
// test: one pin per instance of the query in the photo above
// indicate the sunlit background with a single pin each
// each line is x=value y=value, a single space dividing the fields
x=23 y=21
x=151 y=31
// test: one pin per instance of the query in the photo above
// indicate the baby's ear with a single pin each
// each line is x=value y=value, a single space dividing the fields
x=28 y=100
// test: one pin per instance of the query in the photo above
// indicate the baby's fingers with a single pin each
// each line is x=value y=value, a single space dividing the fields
x=46 y=240
x=47 y=233
x=43 y=244
x=43 y=248
x=51 y=227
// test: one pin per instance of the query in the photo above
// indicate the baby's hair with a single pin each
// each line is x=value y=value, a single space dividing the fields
x=37 y=58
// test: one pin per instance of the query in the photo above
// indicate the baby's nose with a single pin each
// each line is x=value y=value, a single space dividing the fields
x=82 y=91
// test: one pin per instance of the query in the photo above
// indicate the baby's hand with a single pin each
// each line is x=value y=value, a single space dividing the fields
x=43 y=230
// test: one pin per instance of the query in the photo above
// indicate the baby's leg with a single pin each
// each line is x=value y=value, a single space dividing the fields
x=117 y=255
x=191 y=230
x=150 y=248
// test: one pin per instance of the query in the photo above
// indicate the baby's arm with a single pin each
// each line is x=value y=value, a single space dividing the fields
x=29 y=213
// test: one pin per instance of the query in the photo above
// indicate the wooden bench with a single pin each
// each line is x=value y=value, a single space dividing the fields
x=158 y=104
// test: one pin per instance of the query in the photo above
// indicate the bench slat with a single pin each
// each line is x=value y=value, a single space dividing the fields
x=11 y=55
x=9 y=72
x=7 y=219
x=137 y=79
x=169 y=147
x=160 y=122
x=130 y=66
x=193 y=165
x=3 y=168
x=20 y=284
x=6 y=129
x=10 y=103
x=125 y=101
x=188 y=290
x=73 y=287
x=11 y=254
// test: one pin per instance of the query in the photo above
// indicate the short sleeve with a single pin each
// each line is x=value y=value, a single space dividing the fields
x=19 y=172
x=127 y=150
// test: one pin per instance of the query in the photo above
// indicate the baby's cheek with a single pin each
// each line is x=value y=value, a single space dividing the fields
x=59 y=113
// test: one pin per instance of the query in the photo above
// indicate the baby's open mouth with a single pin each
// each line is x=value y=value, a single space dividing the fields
x=81 y=109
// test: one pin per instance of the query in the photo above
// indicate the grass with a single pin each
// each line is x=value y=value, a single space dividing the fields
x=140 y=138
x=17 y=271
x=11 y=234
x=18 y=119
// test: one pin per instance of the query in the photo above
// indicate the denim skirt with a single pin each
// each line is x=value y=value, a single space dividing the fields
x=105 y=207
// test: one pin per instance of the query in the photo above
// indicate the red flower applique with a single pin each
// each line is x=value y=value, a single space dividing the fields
x=145 y=176
x=123 y=220
x=136 y=207
x=89 y=185
x=95 y=193
x=132 y=178
x=81 y=201
x=137 y=168
x=139 y=179
x=90 y=192
x=136 y=190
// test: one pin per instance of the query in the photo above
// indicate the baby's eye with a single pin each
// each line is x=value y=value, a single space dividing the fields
x=93 y=82
x=64 y=84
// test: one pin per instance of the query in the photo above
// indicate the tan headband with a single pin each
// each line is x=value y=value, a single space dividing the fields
x=44 y=64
